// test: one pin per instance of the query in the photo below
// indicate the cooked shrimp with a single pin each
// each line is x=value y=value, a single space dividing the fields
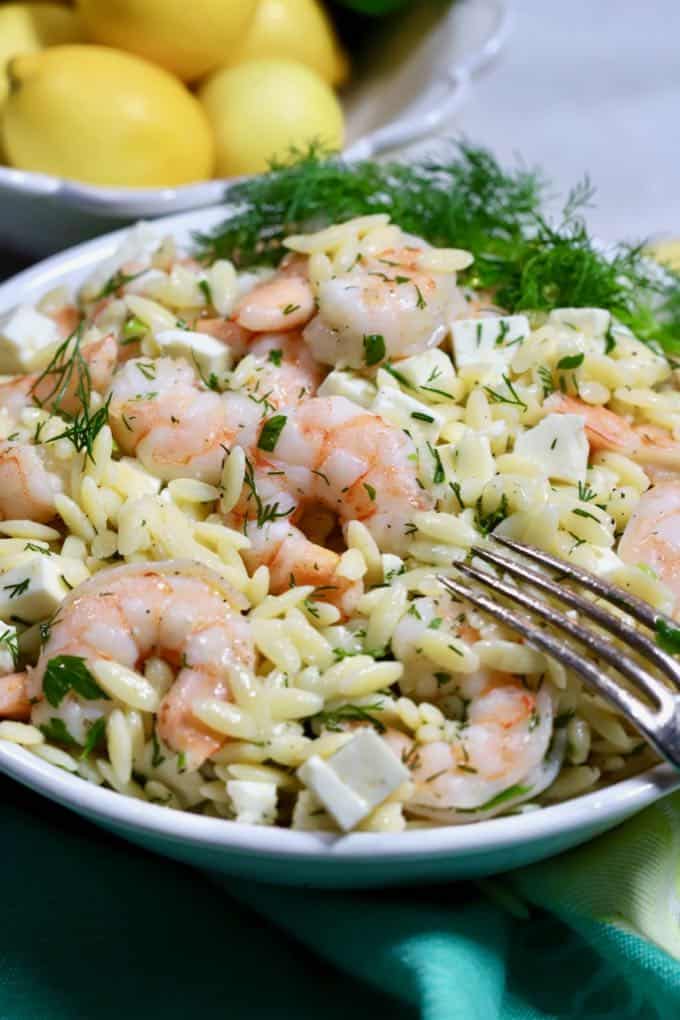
x=48 y=388
x=652 y=535
x=293 y=559
x=14 y=700
x=332 y=452
x=386 y=295
x=605 y=430
x=499 y=749
x=27 y=488
x=177 y=428
x=286 y=371
x=176 y=610
x=284 y=302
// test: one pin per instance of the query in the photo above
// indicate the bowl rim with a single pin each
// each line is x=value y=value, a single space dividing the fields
x=453 y=81
x=594 y=810
x=598 y=808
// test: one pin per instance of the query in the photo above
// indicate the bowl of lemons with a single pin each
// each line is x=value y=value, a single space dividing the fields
x=115 y=110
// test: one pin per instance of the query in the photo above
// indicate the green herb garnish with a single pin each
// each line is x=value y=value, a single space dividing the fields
x=55 y=729
x=333 y=718
x=571 y=361
x=69 y=672
x=668 y=637
x=374 y=348
x=271 y=430
x=500 y=798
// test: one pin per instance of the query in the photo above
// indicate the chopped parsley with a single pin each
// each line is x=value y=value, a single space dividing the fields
x=69 y=672
x=371 y=491
x=206 y=290
x=668 y=637
x=571 y=361
x=271 y=430
x=374 y=348
x=55 y=729
x=275 y=357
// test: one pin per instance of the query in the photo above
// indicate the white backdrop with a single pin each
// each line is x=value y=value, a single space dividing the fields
x=592 y=85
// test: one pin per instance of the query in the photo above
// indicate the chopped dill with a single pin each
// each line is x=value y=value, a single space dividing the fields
x=500 y=398
x=333 y=718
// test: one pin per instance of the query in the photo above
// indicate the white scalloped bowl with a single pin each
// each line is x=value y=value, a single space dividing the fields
x=308 y=858
x=408 y=86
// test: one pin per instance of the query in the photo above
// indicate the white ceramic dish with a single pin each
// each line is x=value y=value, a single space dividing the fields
x=408 y=86
x=284 y=856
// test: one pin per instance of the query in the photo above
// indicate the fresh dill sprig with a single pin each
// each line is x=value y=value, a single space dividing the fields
x=466 y=200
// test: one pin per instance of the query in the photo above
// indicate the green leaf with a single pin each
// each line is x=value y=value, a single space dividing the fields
x=374 y=348
x=69 y=672
x=571 y=361
x=668 y=637
x=55 y=729
x=271 y=430
x=94 y=735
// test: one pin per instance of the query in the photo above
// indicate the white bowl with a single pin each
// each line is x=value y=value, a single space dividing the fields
x=281 y=855
x=410 y=84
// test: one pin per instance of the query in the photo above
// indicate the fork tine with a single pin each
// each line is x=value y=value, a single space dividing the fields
x=620 y=628
x=642 y=611
x=660 y=730
x=654 y=688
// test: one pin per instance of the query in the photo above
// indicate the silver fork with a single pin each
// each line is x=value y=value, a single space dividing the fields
x=658 y=717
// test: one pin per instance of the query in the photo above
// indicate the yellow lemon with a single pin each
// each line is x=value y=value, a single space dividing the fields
x=261 y=108
x=104 y=117
x=26 y=28
x=188 y=37
x=295 y=30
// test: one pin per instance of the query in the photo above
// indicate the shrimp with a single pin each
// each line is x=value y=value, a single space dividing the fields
x=59 y=388
x=497 y=757
x=605 y=430
x=27 y=488
x=177 y=610
x=229 y=333
x=286 y=371
x=332 y=452
x=14 y=700
x=282 y=303
x=161 y=413
x=386 y=295
x=652 y=535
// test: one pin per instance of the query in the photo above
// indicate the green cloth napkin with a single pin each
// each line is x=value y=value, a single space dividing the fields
x=91 y=927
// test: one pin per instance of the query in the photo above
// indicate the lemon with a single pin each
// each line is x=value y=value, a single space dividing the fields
x=260 y=109
x=295 y=30
x=26 y=28
x=188 y=37
x=104 y=117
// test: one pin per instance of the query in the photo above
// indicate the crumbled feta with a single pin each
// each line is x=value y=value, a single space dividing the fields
x=254 y=803
x=8 y=638
x=354 y=780
x=24 y=333
x=592 y=322
x=431 y=374
x=199 y=349
x=345 y=384
x=558 y=445
x=491 y=341
x=405 y=411
x=33 y=590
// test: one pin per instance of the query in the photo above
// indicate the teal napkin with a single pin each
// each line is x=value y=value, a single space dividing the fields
x=91 y=927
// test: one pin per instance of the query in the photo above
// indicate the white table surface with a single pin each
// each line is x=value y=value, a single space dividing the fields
x=591 y=86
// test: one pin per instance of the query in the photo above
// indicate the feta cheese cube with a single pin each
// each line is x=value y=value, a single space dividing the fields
x=8 y=640
x=32 y=591
x=24 y=333
x=354 y=780
x=345 y=384
x=492 y=341
x=592 y=322
x=408 y=413
x=558 y=445
x=431 y=374
x=210 y=355
x=253 y=802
